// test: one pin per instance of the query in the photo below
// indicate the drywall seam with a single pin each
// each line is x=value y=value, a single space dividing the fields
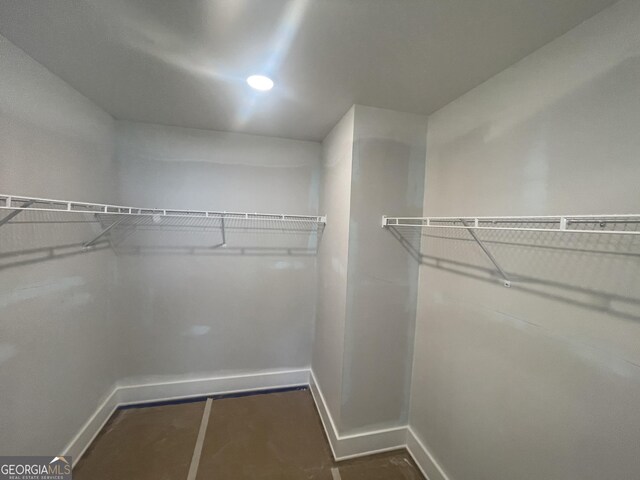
x=122 y=395
x=344 y=447
x=426 y=462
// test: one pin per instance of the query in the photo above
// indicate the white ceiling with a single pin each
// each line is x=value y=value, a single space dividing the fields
x=184 y=62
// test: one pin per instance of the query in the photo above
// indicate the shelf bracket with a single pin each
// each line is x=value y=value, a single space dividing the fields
x=15 y=213
x=224 y=235
x=505 y=277
x=92 y=242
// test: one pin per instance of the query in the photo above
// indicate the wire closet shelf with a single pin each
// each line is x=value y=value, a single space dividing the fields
x=617 y=224
x=115 y=216
x=621 y=224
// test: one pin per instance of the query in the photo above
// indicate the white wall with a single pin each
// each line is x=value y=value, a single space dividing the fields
x=74 y=322
x=335 y=199
x=387 y=177
x=197 y=309
x=58 y=342
x=373 y=160
x=540 y=381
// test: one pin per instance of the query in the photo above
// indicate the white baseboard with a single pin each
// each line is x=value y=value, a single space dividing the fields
x=89 y=431
x=344 y=447
x=424 y=459
x=198 y=387
x=123 y=395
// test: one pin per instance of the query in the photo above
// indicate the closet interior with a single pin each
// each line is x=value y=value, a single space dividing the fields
x=318 y=239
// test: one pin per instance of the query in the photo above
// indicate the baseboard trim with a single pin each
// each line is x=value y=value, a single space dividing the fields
x=201 y=387
x=135 y=394
x=426 y=462
x=356 y=445
x=343 y=447
x=89 y=431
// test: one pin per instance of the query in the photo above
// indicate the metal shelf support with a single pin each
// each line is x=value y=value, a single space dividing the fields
x=505 y=277
x=14 y=213
x=93 y=241
x=224 y=235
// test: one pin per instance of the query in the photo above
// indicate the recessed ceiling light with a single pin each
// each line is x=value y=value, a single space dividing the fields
x=260 y=82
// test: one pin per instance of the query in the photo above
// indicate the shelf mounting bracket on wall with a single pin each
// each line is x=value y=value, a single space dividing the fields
x=505 y=277
x=224 y=235
x=14 y=213
x=92 y=242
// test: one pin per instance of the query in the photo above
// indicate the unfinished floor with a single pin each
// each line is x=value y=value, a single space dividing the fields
x=261 y=436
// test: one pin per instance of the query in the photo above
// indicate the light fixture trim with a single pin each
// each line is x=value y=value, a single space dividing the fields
x=260 y=82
